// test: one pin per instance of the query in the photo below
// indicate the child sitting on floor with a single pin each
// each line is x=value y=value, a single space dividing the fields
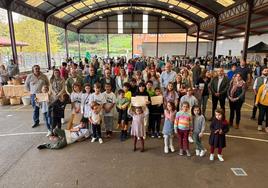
x=65 y=137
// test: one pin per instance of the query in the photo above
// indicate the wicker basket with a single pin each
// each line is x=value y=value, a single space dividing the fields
x=4 y=101
x=9 y=82
x=15 y=100
x=16 y=81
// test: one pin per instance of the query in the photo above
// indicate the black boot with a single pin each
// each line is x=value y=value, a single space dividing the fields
x=42 y=146
x=122 y=136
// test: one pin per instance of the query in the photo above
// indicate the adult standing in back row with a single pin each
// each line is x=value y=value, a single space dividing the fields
x=167 y=76
x=34 y=83
x=219 y=86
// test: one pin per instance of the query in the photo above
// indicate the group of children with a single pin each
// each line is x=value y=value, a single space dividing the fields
x=97 y=109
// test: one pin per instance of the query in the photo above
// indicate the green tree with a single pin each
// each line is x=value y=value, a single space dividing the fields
x=33 y=32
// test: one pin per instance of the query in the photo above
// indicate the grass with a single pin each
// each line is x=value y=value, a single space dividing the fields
x=118 y=45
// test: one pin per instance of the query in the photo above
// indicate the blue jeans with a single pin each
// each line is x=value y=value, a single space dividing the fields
x=36 y=109
x=47 y=120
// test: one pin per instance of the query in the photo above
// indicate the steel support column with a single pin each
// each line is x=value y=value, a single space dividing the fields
x=12 y=35
x=107 y=37
x=132 y=36
x=215 y=40
x=157 y=37
x=79 y=46
x=186 y=44
x=247 y=27
x=47 y=46
x=197 y=41
x=66 y=42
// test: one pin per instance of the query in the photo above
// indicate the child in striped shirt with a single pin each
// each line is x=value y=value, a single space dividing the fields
x=183 y=126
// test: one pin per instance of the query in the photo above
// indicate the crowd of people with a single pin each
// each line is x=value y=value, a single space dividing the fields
x=101 y=89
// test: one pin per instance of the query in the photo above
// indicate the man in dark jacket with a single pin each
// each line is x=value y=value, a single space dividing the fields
x=218 y=87
x=107 y=78
x=92 y=78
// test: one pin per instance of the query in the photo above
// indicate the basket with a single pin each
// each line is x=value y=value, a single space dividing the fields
x=15 y=100
x=4 y=101
x=16 y=81
x=9 y=82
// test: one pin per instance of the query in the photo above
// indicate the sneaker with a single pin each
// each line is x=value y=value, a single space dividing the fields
x=49 y=133
x=165 y=149
x=152 y=136
x=100 y=140
x=259 y=128
x=93 y=139
x=188 y=153
x=203 y=153
x=42 y=146
x=144 y=138
x=172 y=148
x=35 y=125
x=159 y=135
x=266 y=129
x=62 y=120
x=181 y=152
x=190 y=139
x=211 y=157
x=220 y=158
x=197 y=152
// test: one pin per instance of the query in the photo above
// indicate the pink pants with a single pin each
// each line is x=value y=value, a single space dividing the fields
x=183 y=139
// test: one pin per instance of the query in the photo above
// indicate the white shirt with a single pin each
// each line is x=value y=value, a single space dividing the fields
x=110 y=99
x=219 y=83
x=76 y=99
x=85 y=104
x=96 y=118
x=100 y=99
x=72 y=137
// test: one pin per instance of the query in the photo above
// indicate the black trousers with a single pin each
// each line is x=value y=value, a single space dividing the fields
x=235 y=108
x=154 y=123
x=254 y=110
x=263 y=111
x=96 y=128
x=215 y=101
x=56 y=122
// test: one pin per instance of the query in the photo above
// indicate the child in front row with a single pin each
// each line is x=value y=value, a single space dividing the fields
x=168 y=130
x=95 y=120
x=122 y=106
x=57 y=110
x=65 y=137
x=44 y=106
x=155 y=112
x=138 y=115
x=183 y=126
x=199 y=125
x=218 y=127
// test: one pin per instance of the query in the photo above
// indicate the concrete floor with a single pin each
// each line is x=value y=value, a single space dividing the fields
x=114 y=164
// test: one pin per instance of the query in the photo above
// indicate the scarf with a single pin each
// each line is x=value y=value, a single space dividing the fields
x=236 y=85
x=264 y=91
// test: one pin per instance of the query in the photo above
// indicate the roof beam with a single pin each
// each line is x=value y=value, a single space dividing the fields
x=134 y=4
x=113 y=14
x=201 y=7
x=238 y=28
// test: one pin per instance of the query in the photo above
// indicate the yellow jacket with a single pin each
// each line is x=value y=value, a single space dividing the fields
x=258 y=98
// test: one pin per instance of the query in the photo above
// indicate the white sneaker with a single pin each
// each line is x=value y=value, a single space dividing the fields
x=211 y=157
x=181 y=152
x=190 y=139
x=144 y=137
x=165 y=149
x=62 y=120
x=93 y=139
x=100 y=140
x=220 y=158
x=203 y=153
x=197 y=152
x=259 y=128
x=49 y=133
x=172 y=148
x=188 y=154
